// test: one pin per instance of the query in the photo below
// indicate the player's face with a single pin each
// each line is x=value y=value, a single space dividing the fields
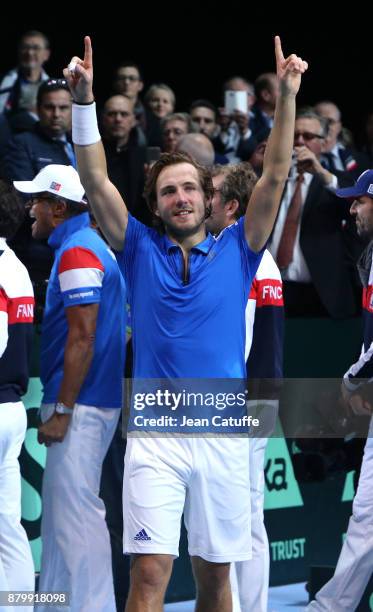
x=180 y=200
x=218 y=219
x=362 y=210
x=42 y=209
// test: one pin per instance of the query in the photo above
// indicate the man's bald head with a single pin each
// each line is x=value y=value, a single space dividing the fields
x=197 y=146
x=118 y=119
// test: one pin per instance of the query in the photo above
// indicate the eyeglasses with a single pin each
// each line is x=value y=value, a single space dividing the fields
x=26 y=47
x=42 y=198
x=174 y=132
x=127 y=77
x=307 y=136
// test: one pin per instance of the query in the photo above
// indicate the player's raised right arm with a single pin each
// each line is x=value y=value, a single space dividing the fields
x=106 y=202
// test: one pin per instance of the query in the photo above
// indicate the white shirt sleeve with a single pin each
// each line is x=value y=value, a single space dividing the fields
x=3 y=332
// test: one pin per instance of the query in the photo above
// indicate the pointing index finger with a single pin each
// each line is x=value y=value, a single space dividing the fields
x=87 y=52
x=278 y=50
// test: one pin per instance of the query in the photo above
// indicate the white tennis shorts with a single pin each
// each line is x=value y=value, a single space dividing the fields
x=206 y=478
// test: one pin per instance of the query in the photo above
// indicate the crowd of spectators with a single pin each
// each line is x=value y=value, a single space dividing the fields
x=314 y=241
x=35 y=125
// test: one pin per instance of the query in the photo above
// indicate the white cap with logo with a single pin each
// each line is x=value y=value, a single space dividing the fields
x=61 y=181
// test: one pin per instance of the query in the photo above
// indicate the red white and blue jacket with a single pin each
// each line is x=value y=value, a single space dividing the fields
x=265 y=323
x=84 y=272
x=363 y=368
x=16 y=319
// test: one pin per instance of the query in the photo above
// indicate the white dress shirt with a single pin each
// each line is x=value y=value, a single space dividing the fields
x=297 y=270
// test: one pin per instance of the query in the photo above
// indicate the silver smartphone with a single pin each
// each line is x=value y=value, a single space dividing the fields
x=235 y=100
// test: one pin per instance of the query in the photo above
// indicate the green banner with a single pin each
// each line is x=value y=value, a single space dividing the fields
x=32 y=462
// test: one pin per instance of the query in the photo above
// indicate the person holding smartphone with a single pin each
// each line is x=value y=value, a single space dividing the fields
x=236 y=138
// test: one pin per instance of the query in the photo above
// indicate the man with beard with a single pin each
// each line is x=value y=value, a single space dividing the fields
x=192 y=325
x=354 y=568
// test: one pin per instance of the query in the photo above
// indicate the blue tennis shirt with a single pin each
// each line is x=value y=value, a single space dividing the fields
x=193 y=329
x=84 y=272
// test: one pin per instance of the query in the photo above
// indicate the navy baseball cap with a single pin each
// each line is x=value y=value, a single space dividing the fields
x=363 y=186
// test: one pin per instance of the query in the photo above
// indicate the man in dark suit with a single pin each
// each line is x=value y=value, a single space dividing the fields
x=125 y=153
x=27 y=153
x=266 y=92
x=337 y=155
x=354 y=568
x=314 y=242
x=49 y=141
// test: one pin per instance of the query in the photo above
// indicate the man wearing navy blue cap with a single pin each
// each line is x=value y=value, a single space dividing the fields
x=344 y=591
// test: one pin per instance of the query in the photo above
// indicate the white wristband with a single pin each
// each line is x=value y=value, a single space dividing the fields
x=84 y=122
